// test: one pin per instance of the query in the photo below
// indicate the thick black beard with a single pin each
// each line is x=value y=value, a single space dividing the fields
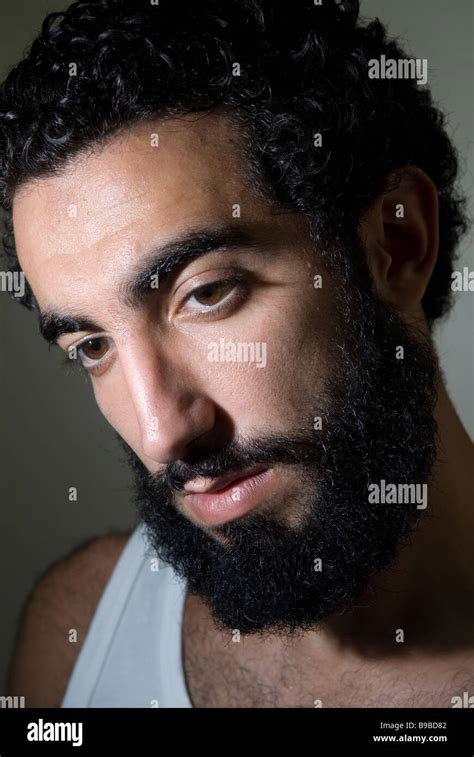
x=377 y=424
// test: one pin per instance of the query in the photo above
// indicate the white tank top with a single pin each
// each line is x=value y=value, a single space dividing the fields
x=132 y=653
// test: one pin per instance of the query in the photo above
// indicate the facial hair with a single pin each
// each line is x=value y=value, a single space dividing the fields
x=263 y=576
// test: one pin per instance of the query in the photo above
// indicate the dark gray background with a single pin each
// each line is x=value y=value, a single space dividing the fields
x=52 y=436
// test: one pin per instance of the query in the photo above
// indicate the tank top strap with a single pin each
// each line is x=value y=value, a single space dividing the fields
x=132 y=653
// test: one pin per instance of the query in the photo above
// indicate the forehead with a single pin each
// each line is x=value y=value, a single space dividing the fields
x=147 y=184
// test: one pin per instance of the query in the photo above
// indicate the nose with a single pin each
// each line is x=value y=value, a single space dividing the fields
x=171 y=412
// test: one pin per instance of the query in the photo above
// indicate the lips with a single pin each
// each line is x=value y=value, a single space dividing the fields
x=202 y=484
x=219 y=500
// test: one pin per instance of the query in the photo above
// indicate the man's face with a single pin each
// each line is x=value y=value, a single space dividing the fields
x=238 y=361
x=169 y=375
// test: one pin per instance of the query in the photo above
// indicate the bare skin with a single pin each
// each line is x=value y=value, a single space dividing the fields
x=65 y=598
x=158 y=391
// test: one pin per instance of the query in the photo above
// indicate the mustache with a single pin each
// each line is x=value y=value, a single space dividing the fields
x=299 y=449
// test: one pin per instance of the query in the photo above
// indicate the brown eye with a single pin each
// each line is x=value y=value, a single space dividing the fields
x=94 y=349
x=211 y=294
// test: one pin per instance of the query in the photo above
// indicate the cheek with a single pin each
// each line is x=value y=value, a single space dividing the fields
x=114 y=402
x=287 y=390
x=279 y=390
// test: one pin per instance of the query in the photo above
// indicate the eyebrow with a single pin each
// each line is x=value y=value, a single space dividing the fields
x=161 y=263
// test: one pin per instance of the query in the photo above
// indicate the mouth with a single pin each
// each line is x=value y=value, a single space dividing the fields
x=219 y=500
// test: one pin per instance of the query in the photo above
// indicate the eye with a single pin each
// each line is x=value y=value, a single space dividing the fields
x=92 y=350
x=215 y=295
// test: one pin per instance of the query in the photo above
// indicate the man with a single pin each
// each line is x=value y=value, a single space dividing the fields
x=245 y=239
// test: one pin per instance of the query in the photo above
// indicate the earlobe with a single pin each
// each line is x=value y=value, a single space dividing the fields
x=401 y=237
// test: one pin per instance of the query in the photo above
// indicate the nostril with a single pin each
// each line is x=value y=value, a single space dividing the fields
x=168 y=432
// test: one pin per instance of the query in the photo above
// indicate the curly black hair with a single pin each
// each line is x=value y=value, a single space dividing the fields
x=285 y=72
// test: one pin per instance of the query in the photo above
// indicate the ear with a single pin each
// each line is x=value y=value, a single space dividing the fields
x=400 y=233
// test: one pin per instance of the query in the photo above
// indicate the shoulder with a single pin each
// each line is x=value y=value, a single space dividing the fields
x=62 y=601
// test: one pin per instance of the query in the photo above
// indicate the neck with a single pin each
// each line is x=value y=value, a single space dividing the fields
x=427 y=593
